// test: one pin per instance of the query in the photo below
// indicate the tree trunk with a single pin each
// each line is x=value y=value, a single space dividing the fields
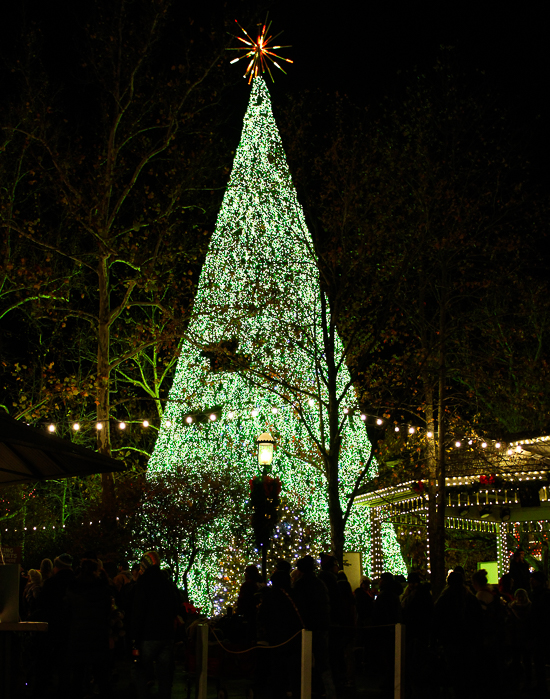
x=336 y=516
x=103 y=371
x=438 y=546
x=431 y=459
x=332 y=449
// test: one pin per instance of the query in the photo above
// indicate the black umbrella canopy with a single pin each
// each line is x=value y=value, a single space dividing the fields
x=28 y=454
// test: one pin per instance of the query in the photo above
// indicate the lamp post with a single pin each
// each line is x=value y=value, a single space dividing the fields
x=265 y=444
x=264 y=497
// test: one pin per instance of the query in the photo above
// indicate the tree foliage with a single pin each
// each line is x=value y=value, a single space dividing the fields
x=422 y=216
x=180 y=511
x=110 y=181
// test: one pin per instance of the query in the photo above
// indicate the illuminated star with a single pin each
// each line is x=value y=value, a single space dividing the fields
x=260 y=52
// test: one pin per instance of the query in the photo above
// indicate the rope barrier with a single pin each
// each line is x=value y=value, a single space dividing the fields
x=240 y=652
x=360 y=628
x=279 y=645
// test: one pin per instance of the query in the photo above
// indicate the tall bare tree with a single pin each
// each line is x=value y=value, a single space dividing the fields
x=123 y=150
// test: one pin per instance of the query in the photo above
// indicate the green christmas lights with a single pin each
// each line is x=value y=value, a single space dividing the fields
x=253 y=360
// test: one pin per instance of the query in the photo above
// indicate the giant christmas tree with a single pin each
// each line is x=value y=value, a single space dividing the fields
x=253 y=358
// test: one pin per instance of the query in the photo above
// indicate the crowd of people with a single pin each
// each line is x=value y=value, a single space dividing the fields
x=473 y=636
x=95 y=615
x=473 y=639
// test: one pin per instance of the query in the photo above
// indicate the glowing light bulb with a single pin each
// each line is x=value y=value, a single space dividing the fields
x=76 y=426
x=274 y=411
x=145 y=423
x=430 y=435
x=168 y=423
x=457 y=444
x=363 y=417
x=497 y=445
x=411 y=430
x=311 y=402
x=122 y=425
x=189 y=419
x=396 y=428
x=484 y=445
x=254 y=413
x=346 y=411
x=213 y=417
x=51 y=428
x=99 y=426
x=230 y=415
x=379 y=421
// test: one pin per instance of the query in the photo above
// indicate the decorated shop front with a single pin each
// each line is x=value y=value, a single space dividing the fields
x=505 y=493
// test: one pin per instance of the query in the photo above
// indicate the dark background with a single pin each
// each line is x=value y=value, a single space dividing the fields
x=362 y=49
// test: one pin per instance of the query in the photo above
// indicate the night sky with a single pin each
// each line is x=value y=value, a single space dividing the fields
x=358 y=48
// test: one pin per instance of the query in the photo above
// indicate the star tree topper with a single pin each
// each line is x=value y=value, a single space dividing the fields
x=260 y=52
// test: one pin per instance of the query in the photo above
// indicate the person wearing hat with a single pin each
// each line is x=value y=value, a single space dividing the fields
x=154 y=612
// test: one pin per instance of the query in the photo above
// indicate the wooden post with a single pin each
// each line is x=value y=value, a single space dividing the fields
x=305 y=680
x=202 y=662
x=399 y=674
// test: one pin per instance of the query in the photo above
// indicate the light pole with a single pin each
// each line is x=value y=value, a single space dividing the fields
x=265 y=497
x=265 y=444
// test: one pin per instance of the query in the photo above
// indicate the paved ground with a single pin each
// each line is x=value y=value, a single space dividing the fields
x=428 y=674
x=234 y=688
x=367 y=686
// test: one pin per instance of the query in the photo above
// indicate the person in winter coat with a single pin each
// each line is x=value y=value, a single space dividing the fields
x=52 y=600
x=46 y=569
x=278 y=621
x=364 y=601
x=88 y=601
x=520 y=618
x=31 y=593
x=519 y=570
x=329 y=575
x=540 y=623
x=386 y=612
x=347 y=632
x=417 y=610
x=458 y=625
x=51 y=607
x=387 y=606
x=153 y=623
x=311 y=597
x=248 y=601
x=506 y=587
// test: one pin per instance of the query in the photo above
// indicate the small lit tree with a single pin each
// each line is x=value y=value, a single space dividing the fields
x=182 y=515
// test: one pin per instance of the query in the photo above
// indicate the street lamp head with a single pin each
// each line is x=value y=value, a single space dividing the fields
x=265 y=449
